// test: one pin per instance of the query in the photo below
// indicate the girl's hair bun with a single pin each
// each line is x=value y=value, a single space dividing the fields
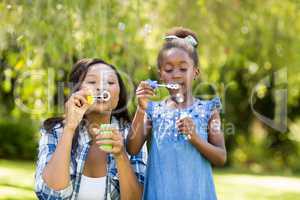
x=182 y=33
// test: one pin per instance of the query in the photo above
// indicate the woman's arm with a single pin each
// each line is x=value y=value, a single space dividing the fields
x=130 y=188
x=214 y=150
x=59 y=163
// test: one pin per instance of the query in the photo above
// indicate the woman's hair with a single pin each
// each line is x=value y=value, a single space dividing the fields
x=179 y=39
x=76 y=78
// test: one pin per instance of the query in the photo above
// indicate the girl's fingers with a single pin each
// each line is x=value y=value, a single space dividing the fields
x=143 y=91
x=144 y=96
x=145 y=84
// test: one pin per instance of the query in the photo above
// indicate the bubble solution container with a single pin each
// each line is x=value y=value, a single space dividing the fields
x=106 y=126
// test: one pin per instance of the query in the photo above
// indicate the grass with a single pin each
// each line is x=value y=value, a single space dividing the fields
x=16 y=182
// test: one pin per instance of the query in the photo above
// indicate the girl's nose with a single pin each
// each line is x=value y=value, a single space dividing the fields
x=177 y=75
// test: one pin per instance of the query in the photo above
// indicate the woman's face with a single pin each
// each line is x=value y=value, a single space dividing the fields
x=178 y=67
x=99 y=78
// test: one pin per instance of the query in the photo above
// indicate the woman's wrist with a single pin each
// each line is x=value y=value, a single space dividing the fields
x=69 y=129
x=120 y=156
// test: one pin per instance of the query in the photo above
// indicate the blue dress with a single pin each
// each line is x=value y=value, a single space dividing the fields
x=176 y=169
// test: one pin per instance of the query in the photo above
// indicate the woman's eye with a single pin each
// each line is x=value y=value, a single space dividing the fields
x=91 y=82
x=183 y=69
x=111 y=82
x=168 y=70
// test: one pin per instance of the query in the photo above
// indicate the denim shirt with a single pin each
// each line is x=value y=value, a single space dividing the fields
x=176 y=169
x=47 y=146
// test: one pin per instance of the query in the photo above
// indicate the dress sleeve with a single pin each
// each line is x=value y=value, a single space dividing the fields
x=214 y=104
x=149 y=110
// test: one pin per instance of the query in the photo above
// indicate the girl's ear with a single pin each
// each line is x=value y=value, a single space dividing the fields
x=196 y=73
x=159 y=73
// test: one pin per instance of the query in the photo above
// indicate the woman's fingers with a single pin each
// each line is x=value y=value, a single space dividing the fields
x=107 y=136
x=81 y=99
x=77 y=102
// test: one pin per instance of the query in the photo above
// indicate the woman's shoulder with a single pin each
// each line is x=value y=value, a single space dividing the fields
x=52 y=125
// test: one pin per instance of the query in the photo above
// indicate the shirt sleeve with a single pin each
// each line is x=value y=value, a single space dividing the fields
x=138 y=161
x=139 y=164
x=47 y=146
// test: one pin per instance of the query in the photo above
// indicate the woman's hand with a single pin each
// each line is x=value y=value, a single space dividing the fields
x=187 y=127
x=114 y=138
x=143 y=93
x=75 y=108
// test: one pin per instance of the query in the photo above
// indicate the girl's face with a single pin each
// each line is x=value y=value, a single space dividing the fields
x=178 y=67
x=99 y=78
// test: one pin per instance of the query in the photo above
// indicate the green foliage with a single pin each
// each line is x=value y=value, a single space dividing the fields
x=233 y=185
x=241 y=44
x=18 y=139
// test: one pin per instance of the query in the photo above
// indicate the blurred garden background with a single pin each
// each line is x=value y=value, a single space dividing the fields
x=249 y=55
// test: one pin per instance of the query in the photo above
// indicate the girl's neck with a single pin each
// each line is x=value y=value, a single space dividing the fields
x=188 y=101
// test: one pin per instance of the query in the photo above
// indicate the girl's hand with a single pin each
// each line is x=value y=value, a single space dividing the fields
x=187 y=127
x=115 y=139
x=75 y=108
x=143 y=93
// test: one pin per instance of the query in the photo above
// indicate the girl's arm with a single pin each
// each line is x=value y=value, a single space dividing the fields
x=139 y=131
x=214 y=150
x=141 y=126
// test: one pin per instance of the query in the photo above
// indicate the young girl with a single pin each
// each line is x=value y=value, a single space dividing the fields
x=70 y=163
x=185 y=131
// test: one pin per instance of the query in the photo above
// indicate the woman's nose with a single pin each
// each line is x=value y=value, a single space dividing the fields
x=102 y=86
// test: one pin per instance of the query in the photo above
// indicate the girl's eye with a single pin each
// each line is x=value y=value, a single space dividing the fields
x=91 y=82
x=183 y=69
x=168 y=70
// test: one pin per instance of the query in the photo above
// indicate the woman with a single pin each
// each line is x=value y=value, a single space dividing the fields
x=70 y=163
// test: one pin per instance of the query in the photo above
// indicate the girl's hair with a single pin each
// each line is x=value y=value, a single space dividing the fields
x=180 y=43
x=76 y=78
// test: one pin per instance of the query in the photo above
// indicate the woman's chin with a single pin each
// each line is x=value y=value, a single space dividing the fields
x=100 y=109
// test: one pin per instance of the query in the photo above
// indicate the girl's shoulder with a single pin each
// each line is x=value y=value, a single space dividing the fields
x=211 y=103
x=208 y=107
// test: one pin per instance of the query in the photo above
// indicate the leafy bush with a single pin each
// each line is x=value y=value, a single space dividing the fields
x=18 y=139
